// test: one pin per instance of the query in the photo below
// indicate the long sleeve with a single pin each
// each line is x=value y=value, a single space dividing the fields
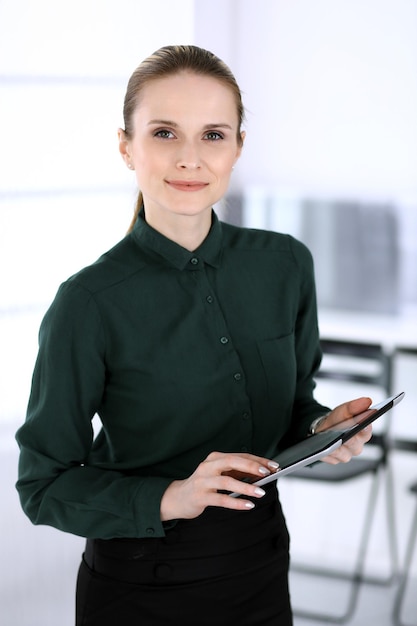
x=58 y=485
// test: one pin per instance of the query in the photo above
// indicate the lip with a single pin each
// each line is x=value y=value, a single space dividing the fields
x=187 y=185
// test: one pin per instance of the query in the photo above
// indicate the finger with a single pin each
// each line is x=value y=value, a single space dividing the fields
x=224 y=500
x=356 y=444
x=215 y=491
x=246 y=464
x=347 y=410
x=269 y=463
x=341 y=455
x=232 y=485
x=353 y=447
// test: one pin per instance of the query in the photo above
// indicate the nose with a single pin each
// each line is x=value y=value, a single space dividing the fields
x=188 y=157
x=186 y=165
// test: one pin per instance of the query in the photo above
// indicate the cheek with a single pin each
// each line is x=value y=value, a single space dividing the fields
x=147 y=166
x=224 y=171
x=223 y=165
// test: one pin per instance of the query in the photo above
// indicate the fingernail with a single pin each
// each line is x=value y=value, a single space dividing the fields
x=249 y=505
x=259 y=492
x=264 y=471
x=273 y=464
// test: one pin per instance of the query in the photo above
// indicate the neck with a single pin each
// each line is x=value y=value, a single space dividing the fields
x=188 y=231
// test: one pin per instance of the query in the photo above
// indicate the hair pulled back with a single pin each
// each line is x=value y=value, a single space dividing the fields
x=171 y=60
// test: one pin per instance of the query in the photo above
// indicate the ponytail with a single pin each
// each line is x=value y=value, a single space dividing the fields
x=139 y=204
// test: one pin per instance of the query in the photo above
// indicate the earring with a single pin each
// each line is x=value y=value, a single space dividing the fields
x=130 y=166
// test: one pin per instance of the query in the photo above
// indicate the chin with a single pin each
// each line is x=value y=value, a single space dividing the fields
x=190 y=207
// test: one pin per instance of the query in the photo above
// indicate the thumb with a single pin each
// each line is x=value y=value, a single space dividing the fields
x=347 y=410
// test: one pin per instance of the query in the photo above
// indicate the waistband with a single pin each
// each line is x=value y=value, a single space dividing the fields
x=217 y=543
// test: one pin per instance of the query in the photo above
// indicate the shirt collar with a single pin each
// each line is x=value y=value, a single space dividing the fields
x=152 y=241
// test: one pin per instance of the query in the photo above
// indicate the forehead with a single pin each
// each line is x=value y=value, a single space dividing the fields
x=188 y=95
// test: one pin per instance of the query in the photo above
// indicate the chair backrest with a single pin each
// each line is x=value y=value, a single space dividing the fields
x=406 y=445
x=380 y=376
x=359 y=363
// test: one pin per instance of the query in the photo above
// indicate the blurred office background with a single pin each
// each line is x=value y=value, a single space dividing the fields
x=330 y=88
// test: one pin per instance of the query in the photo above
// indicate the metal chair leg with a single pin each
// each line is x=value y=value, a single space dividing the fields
x=404 y=580
x=356 y=577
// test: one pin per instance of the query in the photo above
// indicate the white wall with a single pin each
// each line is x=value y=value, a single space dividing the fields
x=330 y=88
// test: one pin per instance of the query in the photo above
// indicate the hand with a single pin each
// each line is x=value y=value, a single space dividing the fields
x=354 y=446
x=186 y=499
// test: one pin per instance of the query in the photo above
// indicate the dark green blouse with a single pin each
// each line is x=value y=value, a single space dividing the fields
x=179 y=353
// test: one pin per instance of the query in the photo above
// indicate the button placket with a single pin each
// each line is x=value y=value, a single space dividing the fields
x=219 y=322
x=246 y=429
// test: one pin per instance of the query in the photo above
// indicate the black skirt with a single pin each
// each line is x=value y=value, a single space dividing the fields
x=224 y=567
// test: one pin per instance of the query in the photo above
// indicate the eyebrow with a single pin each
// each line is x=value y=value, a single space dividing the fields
x=175 y=125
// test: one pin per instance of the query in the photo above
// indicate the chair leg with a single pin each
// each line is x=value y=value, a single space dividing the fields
x=356 y=577
x=391 y=531
x=392 y=523
x=402 y=588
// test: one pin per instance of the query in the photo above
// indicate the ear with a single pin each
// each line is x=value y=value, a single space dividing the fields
x=124 y=146
x=240 y=146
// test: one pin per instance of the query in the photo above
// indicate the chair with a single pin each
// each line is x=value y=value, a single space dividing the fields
x=407 y=445
x=410 y=547
x=375 y=372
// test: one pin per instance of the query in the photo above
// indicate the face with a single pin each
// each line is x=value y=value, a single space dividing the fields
x=184 y=144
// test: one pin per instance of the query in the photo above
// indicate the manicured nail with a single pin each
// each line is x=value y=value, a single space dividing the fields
x=249 y=505
x=259 y=492
x=264 y=471
x=273 y=465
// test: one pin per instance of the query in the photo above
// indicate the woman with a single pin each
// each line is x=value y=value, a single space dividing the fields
x=196 y=344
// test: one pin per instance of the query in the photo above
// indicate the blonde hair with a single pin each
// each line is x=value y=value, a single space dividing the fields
x=167 y=61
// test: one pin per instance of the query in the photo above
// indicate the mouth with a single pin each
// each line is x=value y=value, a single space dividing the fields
x=187 y=185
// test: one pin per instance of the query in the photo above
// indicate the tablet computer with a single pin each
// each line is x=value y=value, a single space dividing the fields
x=321 y=444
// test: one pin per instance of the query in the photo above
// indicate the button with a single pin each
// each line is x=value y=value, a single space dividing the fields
x=150 y=531
x=194 y=260
x=237 y=376
x=224 y=340
x=210 y=299
x=246 y=416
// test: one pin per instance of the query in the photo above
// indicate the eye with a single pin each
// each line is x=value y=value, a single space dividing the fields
x=163 y=134
x=213 y=135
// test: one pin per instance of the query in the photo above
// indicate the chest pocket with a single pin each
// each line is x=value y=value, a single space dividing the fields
x=280 y=371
